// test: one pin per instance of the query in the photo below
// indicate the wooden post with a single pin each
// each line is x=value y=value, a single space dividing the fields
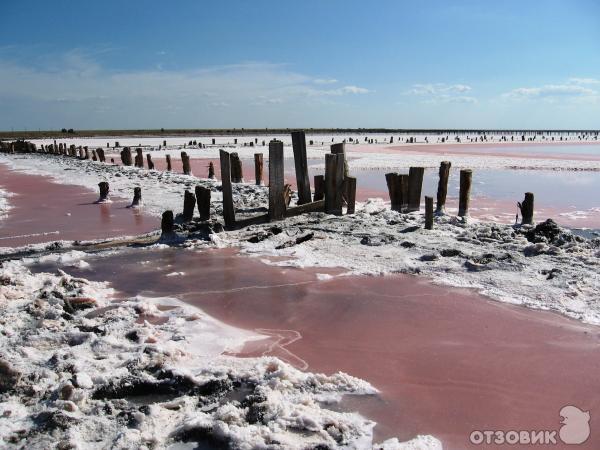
x=319 y=188
x=126 y=156
x=301 y=164
x=104 y=188
x=185 y=160
x=340 y=149
x=211 y=170
x=228 y=211
x=100 y=153
x=466 y=175
x=169 y=167
x=87 y=154
x=334 y=180
x=276 y=198
x=258 y=168
x=237 y=175
x=415 y=185
x=167 y=224
x=94 y=157
x=203 y=199
x=526 y=209
x=442 y=190
x=189 y=204
x=150 y=163
x=428 y=213
x=139 y=158
x=137 y=197
x=213 y=141
x=350 y=188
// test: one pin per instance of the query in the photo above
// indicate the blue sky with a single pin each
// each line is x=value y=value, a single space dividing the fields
x=310 y=63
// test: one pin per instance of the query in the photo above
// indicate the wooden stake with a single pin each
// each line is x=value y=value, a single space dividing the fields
x=276 y=194
x=237 y=175
x=258 y=168
x=350 y=194
x=526 y=209
x=211 y=170
x=334 y=180
x=301 y=165
x=319 y=188
x=126 y=156
x=203 y=199
x=137 y=197
x=150 y=163
x=104 y=188
x=167 y=224
x=428 y=213
x=340 y=149
x=442 y=190
x=169 y=167
x=415 y=185
x=139 y=158
x=228 y=211
x=466 y=175
x=185 y=160
x=189 y=204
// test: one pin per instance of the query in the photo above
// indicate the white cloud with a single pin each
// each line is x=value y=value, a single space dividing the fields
x=551 y=90
x=584 y=80
x=325 y=81
x=437 y=89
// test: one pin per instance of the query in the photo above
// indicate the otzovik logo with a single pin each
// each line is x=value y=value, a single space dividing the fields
x=575 y=430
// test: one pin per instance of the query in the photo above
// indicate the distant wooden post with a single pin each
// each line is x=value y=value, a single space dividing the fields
x=258 y=168
x=334 y=180
x=167 y=224
x=139 y=158
x=237 y=175
x=466 y=176
x=104 y=188
x=228 y=211
x=126 y=156
x=150 y=163
x=211 y=170
x=185 y=160
x=319 y=188
x=137 y=197
x=164 y=143
x=189 y=204
x=415 y=185
x=442 y=190
x=276 y=185
x=428 y=213
x=213 y=141
x=350 y=194
x=526 y=209
x=301 y=164
x=203 y=199
x=169 y=167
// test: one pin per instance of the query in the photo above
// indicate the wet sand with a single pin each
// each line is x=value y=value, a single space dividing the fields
x=447 y=361
x=45 y=211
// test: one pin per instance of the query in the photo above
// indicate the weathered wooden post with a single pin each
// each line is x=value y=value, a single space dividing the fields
x=100 y=153
x=185 y=160
x=164 y=143
x=334 y=181
x=276 y=184
x=237 y=175
x=189 y=204
x=139 y=158
x=167 y=224
x=214 y=141
x=301 y=165
x=126 y=156
x=203 y=199
x=94 y=157
x=103 y=185
x=526 y=209
x=258 y=168
x=150 y=162
x=81 y=153
x=169 y=168
x=466 y=176
x=428 y=213
x=137 y=197
x=340 y=149
x=87 y=154
x=211 y=171
x=415 y=185
x=319 y=188
x=442 y=190
x=228 y=211
x=350 y=194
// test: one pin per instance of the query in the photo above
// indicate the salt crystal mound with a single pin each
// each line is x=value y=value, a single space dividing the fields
x=81 y=371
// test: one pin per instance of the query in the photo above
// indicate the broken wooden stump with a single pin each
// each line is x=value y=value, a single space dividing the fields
x=398 y=190
x=276 y=181
x=100 y=153
x=139 y=158
x=350 y=194
x=104 y=188
x=334 y=181
x=301 y=165
x=428 y=213
x=189 y=204
x=137 y=197
x=87 y=154
x=228 y=211
x=203 y=199
x=466 y=176
x=237 y=175
x=258 y=168
x=185 y=161
x=526 y=209
x=126 y=156
x=167 y=224
x=211 y=171
x=319 y=188
x=169 y=167
x=340 y=149
x=415 y=185
x=442 y=190
x=94 y=157
x=150 y=162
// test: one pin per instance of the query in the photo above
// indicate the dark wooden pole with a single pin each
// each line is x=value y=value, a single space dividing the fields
x=319 y=188
x=167 y=224
x=237 y=175
x=350 y=188
x=334 y=180
x=126 y=156
x=203 y=199
x=258 y=168
x=301 y=165
x=276 y=181
x=150 y=163
x=442 y=190
x=211 y=170
x=139 y=158
x=415 y=185
x=340 y=149
x=526 y=209
x=428 y=213
x=104 y=188
x=189 y=203
x=228 y=211
x=137 y=196
x=169 y=167
x=185 y=160
x=466 y=176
